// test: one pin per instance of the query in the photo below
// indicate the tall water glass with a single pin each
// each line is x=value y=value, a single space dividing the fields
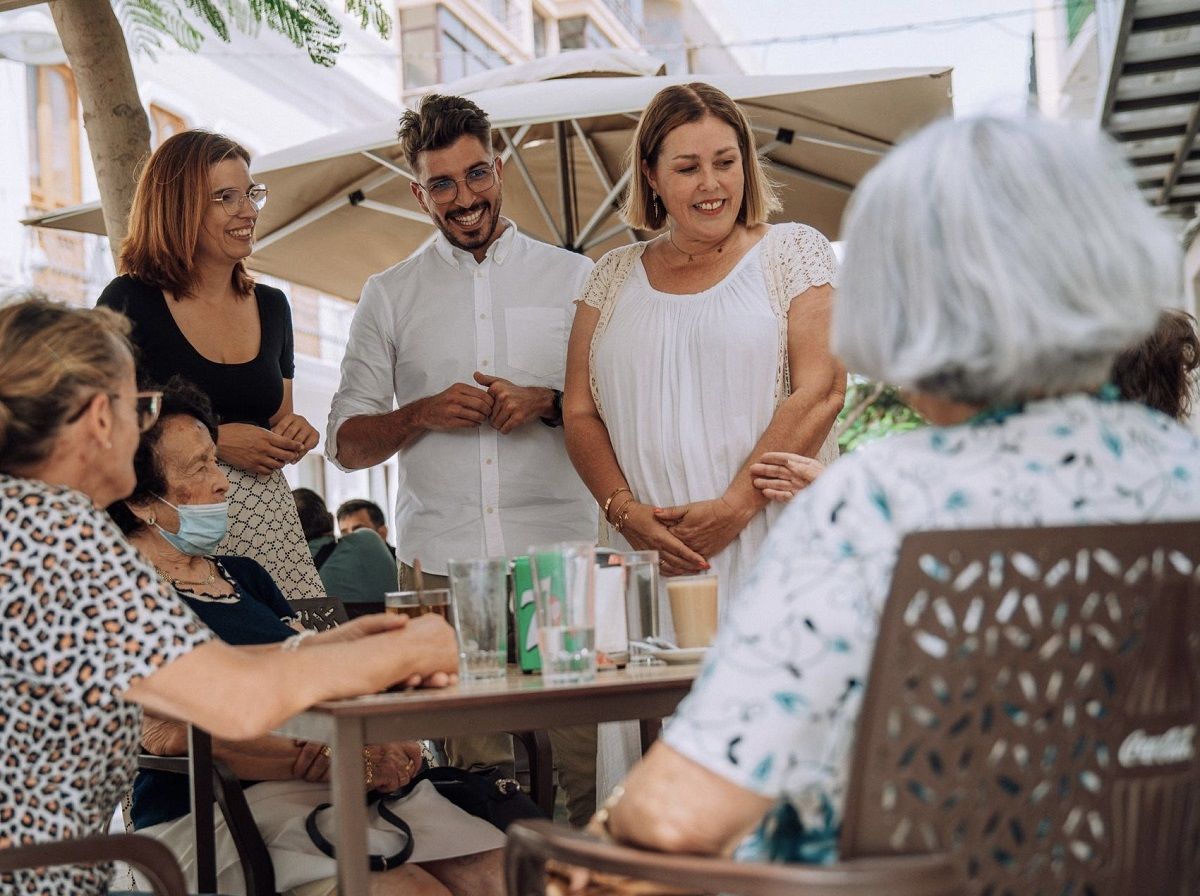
x=641 y=602
x=480 y=607
x=564 y=591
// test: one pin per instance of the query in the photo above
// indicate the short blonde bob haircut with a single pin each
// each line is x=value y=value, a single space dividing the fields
x=53 y=360
x=170 y=202
x=997 y=260
x=683 y=104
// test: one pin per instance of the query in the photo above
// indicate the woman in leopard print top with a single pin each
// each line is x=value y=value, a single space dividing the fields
x=88 y=633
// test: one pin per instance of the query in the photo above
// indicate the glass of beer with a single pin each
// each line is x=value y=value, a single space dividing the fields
x=419 y=603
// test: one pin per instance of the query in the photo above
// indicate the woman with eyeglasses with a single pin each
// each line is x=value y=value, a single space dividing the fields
x=90 y=635
x=197 y=313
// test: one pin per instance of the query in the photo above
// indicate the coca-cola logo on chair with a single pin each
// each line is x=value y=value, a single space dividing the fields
x=1168 y=748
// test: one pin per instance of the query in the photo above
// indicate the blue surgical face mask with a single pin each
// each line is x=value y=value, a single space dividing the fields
x=201 y=527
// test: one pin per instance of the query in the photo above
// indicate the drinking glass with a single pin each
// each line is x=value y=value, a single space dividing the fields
x=564 y=592
x=641 y=602
x=480 y=589
x=418 y=603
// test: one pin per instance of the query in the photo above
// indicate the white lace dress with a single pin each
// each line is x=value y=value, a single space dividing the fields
x=686 y=384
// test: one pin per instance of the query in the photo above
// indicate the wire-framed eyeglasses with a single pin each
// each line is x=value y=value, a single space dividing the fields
x=146 y=406
x=444 y=190
x=231 y=199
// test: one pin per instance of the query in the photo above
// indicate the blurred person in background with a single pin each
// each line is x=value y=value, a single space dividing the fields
x=357 y=568
x=359 y=513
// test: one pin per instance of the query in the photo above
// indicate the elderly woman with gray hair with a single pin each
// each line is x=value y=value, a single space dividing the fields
x=994 y=269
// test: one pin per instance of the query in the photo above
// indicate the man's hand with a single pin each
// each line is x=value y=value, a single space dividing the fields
x=457 y=407
x=514 y=405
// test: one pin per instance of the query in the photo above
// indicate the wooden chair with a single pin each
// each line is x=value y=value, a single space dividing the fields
x=1030 y=714
x=150 y=857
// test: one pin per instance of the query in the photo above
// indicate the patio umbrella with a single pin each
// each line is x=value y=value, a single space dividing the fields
x=341 y=208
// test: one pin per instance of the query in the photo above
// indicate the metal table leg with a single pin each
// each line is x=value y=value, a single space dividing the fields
x=349 y=807
x=200 y=772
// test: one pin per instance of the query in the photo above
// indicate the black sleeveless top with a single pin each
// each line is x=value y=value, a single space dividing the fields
x=240 y=393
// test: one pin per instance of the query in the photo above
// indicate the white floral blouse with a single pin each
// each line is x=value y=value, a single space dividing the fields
x=775 y=705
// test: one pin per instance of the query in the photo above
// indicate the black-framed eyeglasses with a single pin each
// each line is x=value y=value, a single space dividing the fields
x=444 y=190
x=231 y=199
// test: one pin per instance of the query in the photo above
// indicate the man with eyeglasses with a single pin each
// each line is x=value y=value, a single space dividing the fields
x=467 y=339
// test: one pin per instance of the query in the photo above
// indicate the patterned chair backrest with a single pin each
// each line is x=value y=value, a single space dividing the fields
x=319 y=613
x=1032 y=707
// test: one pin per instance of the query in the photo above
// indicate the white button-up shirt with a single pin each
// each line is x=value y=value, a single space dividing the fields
x=430 y=322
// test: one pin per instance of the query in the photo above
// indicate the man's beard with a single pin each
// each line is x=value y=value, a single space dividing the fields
x=484 y=231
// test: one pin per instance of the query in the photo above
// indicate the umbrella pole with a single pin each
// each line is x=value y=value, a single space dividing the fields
x=565 y=186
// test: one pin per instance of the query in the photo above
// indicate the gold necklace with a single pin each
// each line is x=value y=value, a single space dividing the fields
x=692 y=256
x=212 y=575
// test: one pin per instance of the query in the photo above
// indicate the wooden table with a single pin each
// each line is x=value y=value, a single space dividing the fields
x=516 y=702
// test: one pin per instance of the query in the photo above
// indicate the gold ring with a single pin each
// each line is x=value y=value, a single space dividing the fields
x=326 y=751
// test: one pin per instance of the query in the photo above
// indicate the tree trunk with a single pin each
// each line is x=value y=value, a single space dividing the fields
x=117 y=128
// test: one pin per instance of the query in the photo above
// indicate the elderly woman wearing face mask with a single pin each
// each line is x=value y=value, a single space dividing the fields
x=176 y=517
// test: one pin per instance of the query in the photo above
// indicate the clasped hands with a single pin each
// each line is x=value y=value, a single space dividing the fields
x=257 y=450
x=386 y=767
x=687 y=535
x=500 y=402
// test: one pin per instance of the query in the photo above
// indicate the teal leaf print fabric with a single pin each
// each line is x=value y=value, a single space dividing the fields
x=775 y=706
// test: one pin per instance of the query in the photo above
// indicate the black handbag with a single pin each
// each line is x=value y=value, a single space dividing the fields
x=485 y=794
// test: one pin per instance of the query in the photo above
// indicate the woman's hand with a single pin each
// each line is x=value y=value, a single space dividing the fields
x=705 y=526
x=296 y=428
x=780 y=474
x=312 y=762
x=362 y=627
x=439 y=648
x=390 y=766
x=254 y=449
x=645 y=532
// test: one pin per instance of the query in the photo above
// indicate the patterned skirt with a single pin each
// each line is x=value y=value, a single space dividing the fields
x=264 y=525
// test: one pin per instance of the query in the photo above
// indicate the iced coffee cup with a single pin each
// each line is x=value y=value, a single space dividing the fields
x=693 y=602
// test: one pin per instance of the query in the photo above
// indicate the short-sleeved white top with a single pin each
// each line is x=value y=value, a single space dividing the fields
x=686 y=384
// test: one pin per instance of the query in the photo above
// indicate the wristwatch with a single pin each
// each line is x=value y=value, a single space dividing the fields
x=556 y=419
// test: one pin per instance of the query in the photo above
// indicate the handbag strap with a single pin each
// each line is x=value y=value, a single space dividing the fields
x=376 y=862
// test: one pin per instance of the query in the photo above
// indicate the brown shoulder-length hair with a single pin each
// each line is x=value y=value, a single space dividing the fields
x=171 y=199
x=678 y=105
x=1159 y=371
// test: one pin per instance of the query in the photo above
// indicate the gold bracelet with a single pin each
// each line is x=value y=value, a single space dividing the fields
x=604 y=813
x=623 y=514
x=609 y=500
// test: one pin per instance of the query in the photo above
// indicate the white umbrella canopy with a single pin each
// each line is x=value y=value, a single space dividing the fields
x=341 y=207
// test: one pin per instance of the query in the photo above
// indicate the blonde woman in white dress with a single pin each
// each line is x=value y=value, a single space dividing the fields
x=695 y=353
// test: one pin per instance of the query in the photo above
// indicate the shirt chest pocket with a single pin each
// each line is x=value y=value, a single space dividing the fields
x=537 y=340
